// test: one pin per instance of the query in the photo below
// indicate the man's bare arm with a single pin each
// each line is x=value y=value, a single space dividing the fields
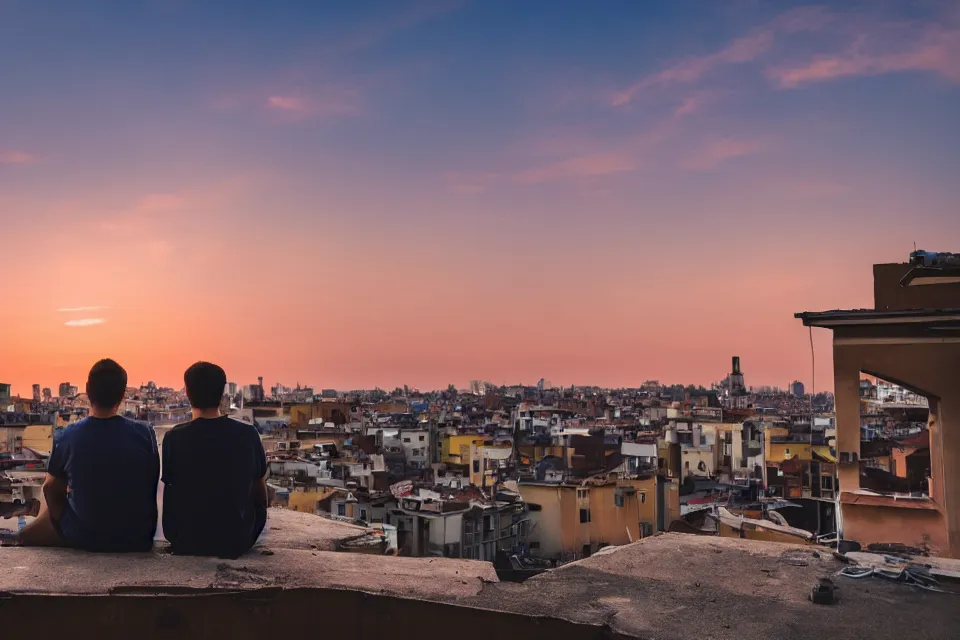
x=55 y=494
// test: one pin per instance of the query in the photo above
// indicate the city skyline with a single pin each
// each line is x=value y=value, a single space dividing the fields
x=443 y=191
x=269 y=384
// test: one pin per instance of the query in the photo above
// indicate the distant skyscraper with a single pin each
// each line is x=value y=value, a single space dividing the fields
x=4 y=393
x=64 y=390
x=36 y=393
x=47 y=394
x=254 y=392
x=737 y=390
x=796 y=388
x=736 y=377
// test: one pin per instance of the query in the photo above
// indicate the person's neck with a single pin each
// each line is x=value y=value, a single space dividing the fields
x=206 y=413
x=98 y=412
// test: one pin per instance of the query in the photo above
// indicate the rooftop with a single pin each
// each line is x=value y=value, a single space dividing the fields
x=667 y=587
x=847 y=317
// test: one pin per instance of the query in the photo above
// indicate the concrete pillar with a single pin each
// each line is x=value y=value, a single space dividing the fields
x=846 y=390
x=944 y=450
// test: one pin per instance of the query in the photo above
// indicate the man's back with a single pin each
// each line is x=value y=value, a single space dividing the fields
x=111 y=467
x=210 y=467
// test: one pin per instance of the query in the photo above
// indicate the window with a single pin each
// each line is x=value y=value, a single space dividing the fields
x=476 y=466
x=582 y=494
x=363 y=514
x=341 y=509
x=534 y=546
x=406 y=440
x=643 y=498
x=584 y=515
x=421 y=438
x=786 y=452
x=618 y=499
x=826 y=482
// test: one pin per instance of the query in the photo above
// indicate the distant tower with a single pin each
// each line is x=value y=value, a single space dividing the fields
x=36 y=393
x=736 y=377
x=47 y=394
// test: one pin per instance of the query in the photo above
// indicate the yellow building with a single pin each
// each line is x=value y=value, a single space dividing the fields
x=569 y=521
x=456 y=449
x=38 y=437
x=484 y=462
x=796 y=448
x=306 y=500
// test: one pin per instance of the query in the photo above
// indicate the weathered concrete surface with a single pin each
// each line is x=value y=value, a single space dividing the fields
x=668 y=587
x=677 y=586
x=296 y=551
x=293 y=530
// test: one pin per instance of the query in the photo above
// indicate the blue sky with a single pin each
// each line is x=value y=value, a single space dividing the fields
x=485 y=156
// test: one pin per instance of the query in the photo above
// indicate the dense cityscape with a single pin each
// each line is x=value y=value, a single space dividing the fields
x=474 y=463
x=528 y=479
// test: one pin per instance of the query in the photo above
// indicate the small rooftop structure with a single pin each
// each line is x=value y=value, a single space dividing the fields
x=910 y=338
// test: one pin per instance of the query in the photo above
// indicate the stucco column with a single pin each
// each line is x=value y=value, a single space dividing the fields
x=846 y=390
x=948 y=436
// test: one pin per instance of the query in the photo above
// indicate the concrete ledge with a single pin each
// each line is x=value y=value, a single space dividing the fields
x=296 y=550
x=669 y=587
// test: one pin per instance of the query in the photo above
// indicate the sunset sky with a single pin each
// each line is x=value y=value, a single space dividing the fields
x=384 y=193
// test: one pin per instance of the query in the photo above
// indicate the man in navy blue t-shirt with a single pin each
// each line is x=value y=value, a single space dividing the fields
x=101 y=485
x=214 y=475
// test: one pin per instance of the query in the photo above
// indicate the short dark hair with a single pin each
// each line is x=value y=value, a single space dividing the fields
x=106 y=384
x=205 y=382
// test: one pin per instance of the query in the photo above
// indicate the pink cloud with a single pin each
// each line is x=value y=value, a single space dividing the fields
x=329 y=101
x=586 y=166
x=935 y=50
x=16 y=157
x=84 y=322
x=287 y=103
x=715 y=152
x=694 y=102
x=470 y=183
x=571 y=154
x=374 y=32
x=740 y=51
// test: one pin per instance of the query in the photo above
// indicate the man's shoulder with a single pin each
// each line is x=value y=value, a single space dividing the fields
x=70 y=431
x=230 y=420
x=135 y=424
x=179 y=430
x=223 y=422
